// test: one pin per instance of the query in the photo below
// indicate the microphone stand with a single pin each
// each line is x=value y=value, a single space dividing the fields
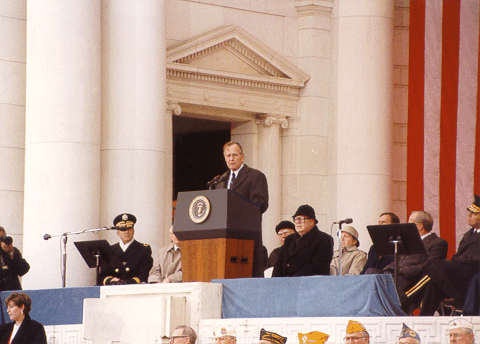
x=395 y=241
x=339 y=235
x=63 y=248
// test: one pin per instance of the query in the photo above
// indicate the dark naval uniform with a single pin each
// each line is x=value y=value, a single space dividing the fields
x=450 y=278
x=137 y=261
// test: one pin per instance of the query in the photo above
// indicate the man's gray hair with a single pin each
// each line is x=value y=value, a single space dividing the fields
x=424 y=218
x=188 y=332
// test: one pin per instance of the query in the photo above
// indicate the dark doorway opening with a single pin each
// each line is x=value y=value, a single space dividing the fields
x=197 y=152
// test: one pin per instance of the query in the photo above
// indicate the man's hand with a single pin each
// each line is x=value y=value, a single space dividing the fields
x=166 y=280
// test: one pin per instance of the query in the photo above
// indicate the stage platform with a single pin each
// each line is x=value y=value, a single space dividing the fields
x=148 y=313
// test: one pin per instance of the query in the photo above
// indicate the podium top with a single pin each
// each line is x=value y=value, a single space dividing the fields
x=409 y=241
x=219 y=213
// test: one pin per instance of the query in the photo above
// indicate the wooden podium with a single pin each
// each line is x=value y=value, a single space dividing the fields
x=217 y=230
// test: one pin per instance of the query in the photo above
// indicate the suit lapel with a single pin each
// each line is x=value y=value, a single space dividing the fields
x=240 y=177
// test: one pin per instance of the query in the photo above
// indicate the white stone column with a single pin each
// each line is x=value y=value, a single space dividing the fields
x=12 y=117
x=363 y=124
x=62 y=141
x=305 y=144
x=269 y=162
x=133 y=116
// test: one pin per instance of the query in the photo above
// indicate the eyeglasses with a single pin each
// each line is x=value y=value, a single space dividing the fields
x=352 y=339
x=172 y=339
x=284 y=232
x=300 y=219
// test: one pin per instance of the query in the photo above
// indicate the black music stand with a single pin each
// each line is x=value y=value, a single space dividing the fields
x=97 y=253
x=396 y=239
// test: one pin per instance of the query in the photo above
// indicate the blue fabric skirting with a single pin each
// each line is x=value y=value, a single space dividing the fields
x=313 y=296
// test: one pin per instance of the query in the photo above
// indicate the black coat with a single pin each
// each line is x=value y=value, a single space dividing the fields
x=410 y=267
x=308 y=255
x=374 y=261
x=137 y=261
x=14 y=267
x=30 y=332
x=450 y=278
x=469 y=247
x=250 y=183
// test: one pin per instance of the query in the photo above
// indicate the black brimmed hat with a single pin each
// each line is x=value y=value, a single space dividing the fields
x=307 y=211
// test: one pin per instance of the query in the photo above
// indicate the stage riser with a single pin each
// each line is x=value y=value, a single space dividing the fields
x=433 y=330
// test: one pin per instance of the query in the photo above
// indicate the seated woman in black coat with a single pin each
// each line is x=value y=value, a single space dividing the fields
x=22 y=329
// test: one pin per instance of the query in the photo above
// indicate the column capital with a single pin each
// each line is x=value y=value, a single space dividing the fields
x=174 y=107
x=269 y=120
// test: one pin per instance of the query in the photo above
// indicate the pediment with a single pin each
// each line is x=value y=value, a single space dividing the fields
x=229 y=52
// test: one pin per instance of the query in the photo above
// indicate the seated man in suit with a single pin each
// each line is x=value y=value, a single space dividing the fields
x=283 y=229
x=307 y=252
x=375 y=263
x=167 y=267
x=410 y=267
x=450 y=278
x=136 y=258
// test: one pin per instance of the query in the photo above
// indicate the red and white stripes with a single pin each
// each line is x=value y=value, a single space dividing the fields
x=443 y=154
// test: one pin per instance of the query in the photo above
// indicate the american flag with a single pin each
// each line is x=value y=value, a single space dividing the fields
x=443 y=144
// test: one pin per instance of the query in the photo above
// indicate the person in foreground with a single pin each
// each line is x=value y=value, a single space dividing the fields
x=22 y=329
x=307 y=252
x=183 y=334
x=314 y=337
x=268 y=337
x=356 y=333
x=408 y=336
x=225 y=335
x=461 y=332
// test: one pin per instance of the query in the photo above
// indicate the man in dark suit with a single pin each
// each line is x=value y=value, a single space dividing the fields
x=244 y=180
x=283 y=229
x=450 y=278
x=249 y=183
x=136 y=257
x=307 y=252
x=410 y=266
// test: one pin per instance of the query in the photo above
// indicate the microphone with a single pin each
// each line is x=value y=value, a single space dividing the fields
x=347 y=221
x=47 y=236
x=214 y=181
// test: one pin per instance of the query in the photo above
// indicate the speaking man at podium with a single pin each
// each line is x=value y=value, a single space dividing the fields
x=249 y=183
x=244 y=180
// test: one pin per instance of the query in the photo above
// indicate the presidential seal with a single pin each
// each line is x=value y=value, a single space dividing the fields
x=199 y=209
